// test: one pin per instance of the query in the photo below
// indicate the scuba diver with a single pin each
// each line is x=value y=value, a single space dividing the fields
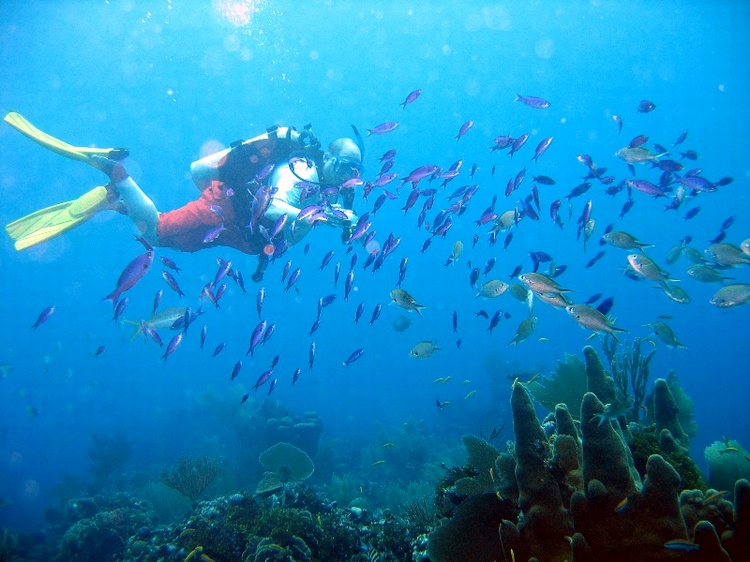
x=252 y=194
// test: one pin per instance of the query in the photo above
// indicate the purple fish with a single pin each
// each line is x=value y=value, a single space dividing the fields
x=219 y=348
x=268 y=333
x=646 y=187
x=120 y=308
x=495 y=320
x=464 y=129
x=204 y=332
x=348 y=283
x=646 y=106
x=533 y=102
x=542 y=148
x=157 y=300
x=311 y=355
x=169 y=263
x=638 y=141
x=259 y=299
x=385 y=179
x=213 y=233
x=696 y=183
x=383 y=128
x=626 y=207
x=419 y=174
x=692 y=212
x=273 y=385
x=617 y=119
x=43 y=316
x=174 y=343
x=353 y=357
x=235 y=370
x=518 y=143
x=292 y=279
x=411 y=98
x=606 y=305
x=375 y=314
x=359 y=231
x=172 y=282
x=256 y=336
x=132 y=273
x=263 y=379
x=145 y=243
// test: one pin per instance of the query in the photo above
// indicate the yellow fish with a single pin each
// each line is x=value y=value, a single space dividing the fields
x=472 y=393
x=378 y=463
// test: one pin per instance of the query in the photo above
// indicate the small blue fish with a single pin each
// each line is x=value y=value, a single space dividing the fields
x=326 y=259
x=43 y=316
x=272 y=386
x=292 y=279
x=348 y=284
x=410 y=98
x=262 y=379
x=383 y=128
x=219 y=348
x=255 y=337
x=353 y=357
x=168 y=262
x=533 y=102
x=295 y=375
x=172 y=282
x=235 y=370
x=375 y=314
x=213 y=234
x=358 y=313
x=120 y=308
x=204 y=332
x=464 y=129
x=132 y=273
x=157 y=300
x=311 y=356
x=172 y=346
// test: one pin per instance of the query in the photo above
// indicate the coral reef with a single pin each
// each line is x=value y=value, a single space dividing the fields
x=102 y=527
x=630 y=371
x=191 y=476
x=567 y=385
x=585 y=495
x=107 y=454
x=728 y=461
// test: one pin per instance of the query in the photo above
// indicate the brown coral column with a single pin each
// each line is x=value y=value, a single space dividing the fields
x=546 y=522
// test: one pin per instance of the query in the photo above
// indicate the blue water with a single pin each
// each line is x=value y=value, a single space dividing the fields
x=163 y=78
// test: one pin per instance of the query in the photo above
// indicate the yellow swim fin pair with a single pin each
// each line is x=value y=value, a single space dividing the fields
x=47 y=223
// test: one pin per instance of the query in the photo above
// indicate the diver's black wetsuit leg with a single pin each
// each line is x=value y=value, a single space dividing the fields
x=260 y=268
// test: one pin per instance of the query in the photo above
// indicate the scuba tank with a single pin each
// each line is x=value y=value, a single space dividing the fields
x=241 y=162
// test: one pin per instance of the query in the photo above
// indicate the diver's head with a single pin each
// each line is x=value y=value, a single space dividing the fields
x=342 y=161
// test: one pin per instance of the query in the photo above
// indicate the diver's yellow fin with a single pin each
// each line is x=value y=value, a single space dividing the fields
x=80 y=153
x=47 y=223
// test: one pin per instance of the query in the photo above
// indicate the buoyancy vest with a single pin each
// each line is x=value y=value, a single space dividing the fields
x=239 y=164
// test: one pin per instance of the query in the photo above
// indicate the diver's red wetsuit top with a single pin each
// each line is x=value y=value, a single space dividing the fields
x=186 y=228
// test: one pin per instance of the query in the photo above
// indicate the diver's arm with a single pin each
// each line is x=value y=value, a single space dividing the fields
x=286 y=199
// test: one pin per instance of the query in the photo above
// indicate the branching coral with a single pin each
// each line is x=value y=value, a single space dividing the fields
x=191 y=477
x=630 y=370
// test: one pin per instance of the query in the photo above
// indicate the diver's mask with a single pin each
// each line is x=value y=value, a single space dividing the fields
x=346 y=167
